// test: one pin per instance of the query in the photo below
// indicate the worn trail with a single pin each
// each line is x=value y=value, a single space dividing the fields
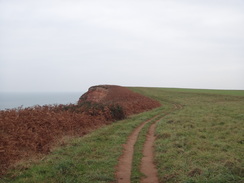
x=125 y=162
x=148 y=167
x=123 y=173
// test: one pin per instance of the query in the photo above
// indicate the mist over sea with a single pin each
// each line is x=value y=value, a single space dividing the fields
x=15 y=99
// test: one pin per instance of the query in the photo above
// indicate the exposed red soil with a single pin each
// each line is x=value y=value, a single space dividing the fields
x=147 y=164
x=131 y=102
x=33 y=130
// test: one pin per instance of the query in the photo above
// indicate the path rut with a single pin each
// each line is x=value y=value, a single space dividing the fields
x=125 y=162
x=148 y=168
x=147 y=165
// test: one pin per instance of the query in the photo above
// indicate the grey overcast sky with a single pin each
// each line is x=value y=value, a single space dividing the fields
x=69 y=45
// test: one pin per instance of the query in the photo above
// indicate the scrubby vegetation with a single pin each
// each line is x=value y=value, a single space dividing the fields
x=28 y=131
x=87 y=159
x=32 y=130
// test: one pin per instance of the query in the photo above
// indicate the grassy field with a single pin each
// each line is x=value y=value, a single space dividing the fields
x=204 y=91
x=202 y=142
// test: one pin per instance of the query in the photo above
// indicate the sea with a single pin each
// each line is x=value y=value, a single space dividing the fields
x=12 y=100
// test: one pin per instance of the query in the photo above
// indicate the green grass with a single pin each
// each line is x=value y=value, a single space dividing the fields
x=202 y=142
x=205 y=91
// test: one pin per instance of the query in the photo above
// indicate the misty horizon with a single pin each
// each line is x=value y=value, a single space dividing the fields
x=50 y=46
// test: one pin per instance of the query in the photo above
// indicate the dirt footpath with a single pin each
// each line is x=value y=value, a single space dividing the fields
x=148 y=168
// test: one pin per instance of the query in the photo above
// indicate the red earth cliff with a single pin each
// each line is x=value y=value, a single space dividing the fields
x=130 y=101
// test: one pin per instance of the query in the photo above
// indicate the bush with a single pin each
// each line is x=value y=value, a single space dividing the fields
x=117 y=112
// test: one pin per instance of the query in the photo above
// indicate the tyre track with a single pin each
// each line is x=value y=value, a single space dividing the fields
x=123 y=173
x=148 y=167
